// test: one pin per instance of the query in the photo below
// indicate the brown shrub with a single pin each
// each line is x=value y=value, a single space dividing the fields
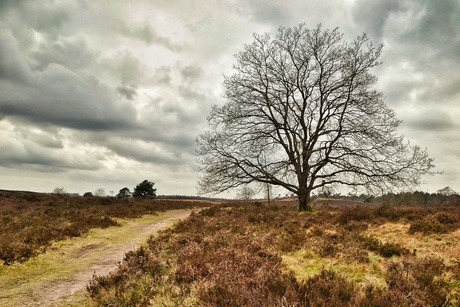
x=427 y=227
x=383 y=249
x=412 y=283
x=355 y=214
x=328 y=288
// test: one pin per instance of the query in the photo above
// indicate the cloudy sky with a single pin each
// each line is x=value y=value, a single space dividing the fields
x=105 y=94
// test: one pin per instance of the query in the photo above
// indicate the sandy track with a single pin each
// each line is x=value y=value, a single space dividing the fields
x=99 y=257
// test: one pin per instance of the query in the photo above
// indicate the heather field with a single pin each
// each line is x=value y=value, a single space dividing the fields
x=398 y=250
x=30 y=222
x=253 y=254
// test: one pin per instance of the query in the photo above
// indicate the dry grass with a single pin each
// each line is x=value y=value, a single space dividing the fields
x=444 y=245
x=257 y=255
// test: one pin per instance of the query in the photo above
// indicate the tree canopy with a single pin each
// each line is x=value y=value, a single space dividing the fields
x=301 y=113
x=145 y=190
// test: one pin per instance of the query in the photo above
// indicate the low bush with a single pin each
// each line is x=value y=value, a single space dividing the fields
x=383 y=249
x=355 y=214
x=328 y=288
x=418 y=282
x=438 y=222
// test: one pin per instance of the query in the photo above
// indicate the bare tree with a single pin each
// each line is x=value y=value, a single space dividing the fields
x=59 y=190
x=268 y=191
x=99 y=192
x=245 y=193
x=301 y=114
x=447 y=191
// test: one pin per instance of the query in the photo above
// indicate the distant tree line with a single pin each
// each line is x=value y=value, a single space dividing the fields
x=144 y=189
x=443 y=196
x=418 y=198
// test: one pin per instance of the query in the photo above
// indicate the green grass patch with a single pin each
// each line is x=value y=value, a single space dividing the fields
x=306 y=264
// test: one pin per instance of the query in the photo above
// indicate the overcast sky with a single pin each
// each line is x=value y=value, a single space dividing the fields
x=105 y=94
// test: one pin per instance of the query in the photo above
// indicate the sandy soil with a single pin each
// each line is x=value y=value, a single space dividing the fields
x=102 y=257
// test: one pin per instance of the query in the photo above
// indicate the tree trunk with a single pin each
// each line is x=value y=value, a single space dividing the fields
x=304 y=200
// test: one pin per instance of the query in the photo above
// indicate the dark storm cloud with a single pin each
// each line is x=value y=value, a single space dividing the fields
x=13 y=69
x=175 y=129
x=155 y=144
x=152 y=37
x=422 y=23
x=419 y=75
x=59 y=97
x=52 y=84
x=7 y=4
x=56 y=94
x=46 y=17
x=439 y=25
x=162 y=76
x=45 y=163
x=188 y=93
x=422 y=47
x=435 y=41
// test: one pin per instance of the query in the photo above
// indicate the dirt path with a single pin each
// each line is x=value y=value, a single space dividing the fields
x=59 y=277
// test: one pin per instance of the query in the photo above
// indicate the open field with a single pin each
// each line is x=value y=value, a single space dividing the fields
x=257 y=255
x=30 y=222
x=345 y=253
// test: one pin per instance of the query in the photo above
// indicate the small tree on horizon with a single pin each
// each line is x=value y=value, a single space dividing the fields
x=100 y=192
x=124 y=193
x=246 y=193
x=447 y=191
x=301 y=113
x=59 y=190
x=145 y=190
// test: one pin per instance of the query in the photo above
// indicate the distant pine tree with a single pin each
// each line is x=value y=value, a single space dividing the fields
x=145 y=190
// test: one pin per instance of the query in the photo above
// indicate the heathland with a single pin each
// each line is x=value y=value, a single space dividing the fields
x=397 y=251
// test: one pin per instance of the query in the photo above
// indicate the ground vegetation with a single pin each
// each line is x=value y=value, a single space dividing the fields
x=29 y=222
x=254 y=254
